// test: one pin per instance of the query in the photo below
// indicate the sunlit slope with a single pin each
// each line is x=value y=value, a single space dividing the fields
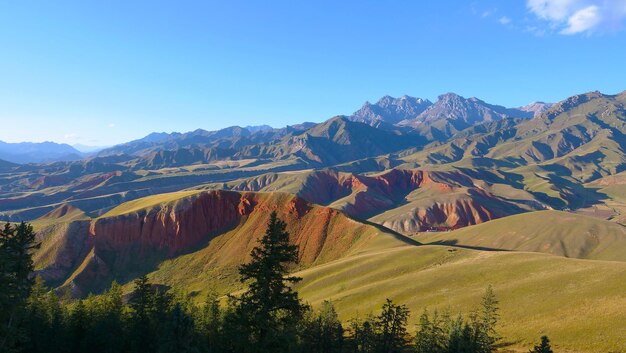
x=193 y=237
x=405 y=200
x=580 y=304
x=320 y=240
x=554 y=232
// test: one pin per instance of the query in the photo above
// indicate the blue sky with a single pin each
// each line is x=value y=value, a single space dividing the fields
x=100 y=73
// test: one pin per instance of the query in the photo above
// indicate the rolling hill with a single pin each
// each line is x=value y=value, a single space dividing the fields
x=579 y=304
x=210 y=232
x=553 y=232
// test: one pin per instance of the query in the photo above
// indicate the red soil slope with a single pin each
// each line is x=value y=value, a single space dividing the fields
x=124 y=245
x=406 y=201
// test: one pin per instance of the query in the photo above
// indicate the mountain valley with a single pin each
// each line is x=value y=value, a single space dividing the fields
x=426 y=202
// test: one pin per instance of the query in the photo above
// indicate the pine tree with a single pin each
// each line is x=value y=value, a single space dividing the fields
x=141 y=331
x=209 y=321
x=322 y=332
x=424 y=336
x=543 y=347
x=78 y=322
x=57 y=335
x=391 y=331
x=178 y=335
x=35 y=322
x=108 y=330
x=361 y=338
x=270 y=305
x=16 y=265
x=488 y=336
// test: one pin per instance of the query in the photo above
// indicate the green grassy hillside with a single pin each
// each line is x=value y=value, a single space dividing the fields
x=554 y=232
x=579 y=304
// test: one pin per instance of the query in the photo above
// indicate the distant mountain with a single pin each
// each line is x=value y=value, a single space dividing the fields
x=467 y=110
x=257 y=128
x=227 y=138
x=550 y=155
x=579 y=139
x=337 y=140
x=38 y=152
x=536 y=107
x=390 y=110
x=452 y=113
x=88 y=149
x=5 y=164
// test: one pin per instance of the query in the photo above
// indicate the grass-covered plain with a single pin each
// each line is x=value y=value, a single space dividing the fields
x=579 y=304
x=554 y=232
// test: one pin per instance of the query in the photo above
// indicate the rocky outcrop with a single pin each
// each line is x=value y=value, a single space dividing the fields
x=390 y=110
x=169 y=228
x=443 y=216
x=220 y=227
x=404 y=200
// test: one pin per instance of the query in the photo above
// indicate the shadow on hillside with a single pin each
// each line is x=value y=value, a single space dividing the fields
x=454 y=243
x=391 y=232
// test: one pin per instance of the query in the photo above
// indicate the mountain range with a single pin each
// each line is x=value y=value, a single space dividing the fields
x=404 y=196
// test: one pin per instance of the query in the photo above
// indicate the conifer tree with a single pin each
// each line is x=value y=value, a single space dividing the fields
x=141 y=332
x=391 y=330
x=323 y=332
x=487 y=334
x=432 y=336
x=271 y=307
x=209 y=321
x=16 y=265
x=78 y=326
x=362 y=338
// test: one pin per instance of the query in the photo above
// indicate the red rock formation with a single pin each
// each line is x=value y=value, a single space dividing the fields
x=170 y=228
x=138 y=241
x=452 y=199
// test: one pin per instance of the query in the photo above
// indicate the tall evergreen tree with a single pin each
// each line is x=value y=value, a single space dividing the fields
x=78 y=328
x=487 y=334
x=209 y=322
x=432 y=336
x=141 y=303
x=323 y=332
x=361 y=338
x=270 y=305
x=16 y=265
x=391 y=330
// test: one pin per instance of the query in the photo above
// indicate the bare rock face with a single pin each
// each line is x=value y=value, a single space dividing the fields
x=121 y=246
x=170 y=228
x=537 y=108
x=443 y=216
x=394 y=199
x=390 y=110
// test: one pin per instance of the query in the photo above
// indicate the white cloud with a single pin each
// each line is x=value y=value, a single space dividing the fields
x=583 y=20
x=111 y=125
x=504 y=20
x=557 y=10
x=580 y=16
